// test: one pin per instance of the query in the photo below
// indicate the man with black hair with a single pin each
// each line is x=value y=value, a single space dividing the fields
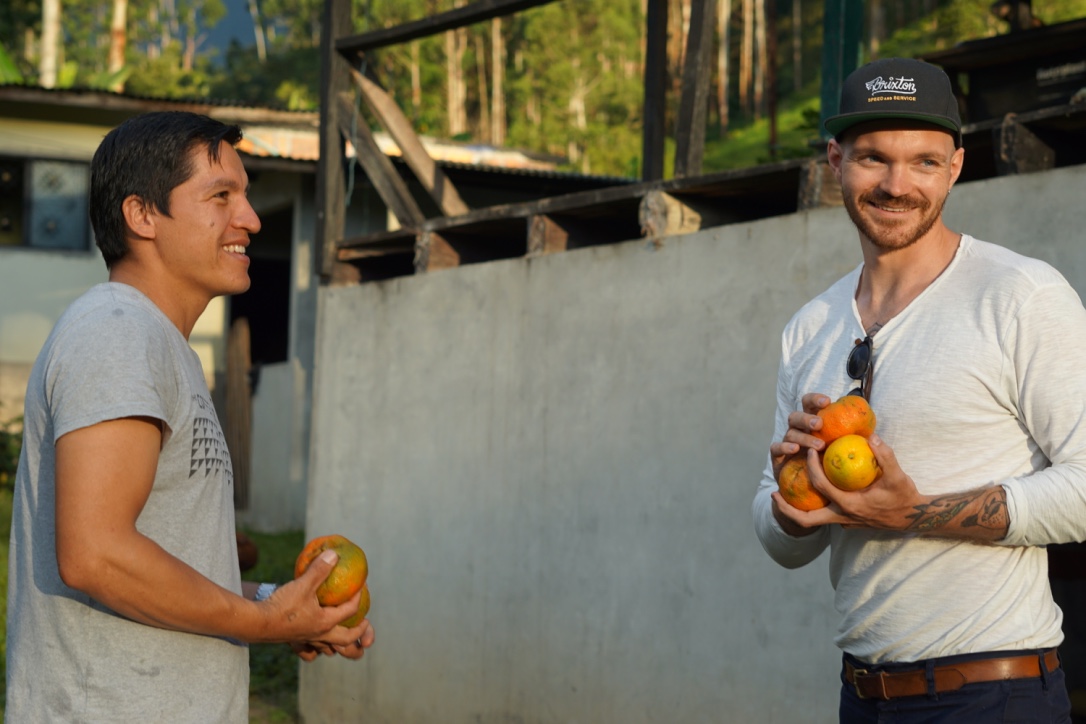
x=125 y=602
x=970 y=356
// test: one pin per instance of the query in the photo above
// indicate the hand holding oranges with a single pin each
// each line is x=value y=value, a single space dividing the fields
x=848 y=461
x=347 y=577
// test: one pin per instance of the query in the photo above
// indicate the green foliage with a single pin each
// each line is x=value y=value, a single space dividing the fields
x=573 y=71
x=164 y=77
x=290 y=78
x=11 y=443
x=797 y=127
x=9 y=72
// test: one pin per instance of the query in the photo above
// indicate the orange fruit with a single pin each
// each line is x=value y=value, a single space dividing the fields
x=347 y=577
x=795 y=485
x=849 y=463
x=850 y=415
x=363 y=609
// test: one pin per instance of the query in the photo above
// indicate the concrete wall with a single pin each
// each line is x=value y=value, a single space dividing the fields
x=282 y=401
x=550 y=463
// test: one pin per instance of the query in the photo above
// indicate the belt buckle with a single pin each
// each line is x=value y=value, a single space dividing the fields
x=856 y=674
x=880 y=675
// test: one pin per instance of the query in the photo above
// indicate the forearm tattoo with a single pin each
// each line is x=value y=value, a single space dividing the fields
x=984 y=509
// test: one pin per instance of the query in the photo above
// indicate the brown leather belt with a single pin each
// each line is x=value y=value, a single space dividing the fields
x=891 y=685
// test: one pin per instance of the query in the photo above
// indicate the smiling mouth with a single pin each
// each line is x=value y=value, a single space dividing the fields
x=235 y=248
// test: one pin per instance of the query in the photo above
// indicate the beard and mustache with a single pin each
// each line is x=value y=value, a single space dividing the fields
x=889 y=234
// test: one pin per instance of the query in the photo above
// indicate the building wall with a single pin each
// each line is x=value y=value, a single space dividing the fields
x=550 y=463
x=37 y=285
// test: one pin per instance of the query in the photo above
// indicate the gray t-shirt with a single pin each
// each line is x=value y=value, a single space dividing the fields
x=114 y=354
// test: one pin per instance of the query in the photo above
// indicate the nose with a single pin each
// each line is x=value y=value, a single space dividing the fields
x=895 y=180
x=246 y=217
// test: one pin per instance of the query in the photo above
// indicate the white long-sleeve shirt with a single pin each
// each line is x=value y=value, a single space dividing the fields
x=980 y=380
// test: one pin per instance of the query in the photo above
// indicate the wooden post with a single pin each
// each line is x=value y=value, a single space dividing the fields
x=697 y=71
x=655 y=103
x=331 y=180
x=239 y=408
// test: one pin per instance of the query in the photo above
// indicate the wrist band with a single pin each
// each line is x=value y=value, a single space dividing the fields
x=264 y=591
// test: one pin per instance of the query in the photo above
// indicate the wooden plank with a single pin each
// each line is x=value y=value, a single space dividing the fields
x=390 y=187
x=433 y=179
x=433 y=252
x=697 y=72
x=331 y=182
x=654 y=110
x=546 y=236
x=1019 y=150
x=370 y=251
x=475 y=12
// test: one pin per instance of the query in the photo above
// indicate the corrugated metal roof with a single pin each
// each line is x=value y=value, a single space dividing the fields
x=276 y=133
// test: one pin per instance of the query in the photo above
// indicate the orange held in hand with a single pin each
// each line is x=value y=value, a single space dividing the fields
x=849 y=463
x=850 y=415
x=795 y=485
x=347 y=577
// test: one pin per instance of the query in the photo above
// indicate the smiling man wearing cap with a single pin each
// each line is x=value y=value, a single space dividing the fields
x=970 y=356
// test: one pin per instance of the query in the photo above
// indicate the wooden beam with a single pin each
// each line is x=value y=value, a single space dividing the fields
x=433 y=252
x=390 y=187
x=475 y=12
x=546 y=236
x=654 y=110
x=697 y=71
x=331 y=181
x=433 y=179
x=1019 y=150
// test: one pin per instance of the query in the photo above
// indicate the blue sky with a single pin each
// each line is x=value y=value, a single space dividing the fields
x=237 y=24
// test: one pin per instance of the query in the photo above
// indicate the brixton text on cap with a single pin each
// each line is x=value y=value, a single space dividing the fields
x=897 y=88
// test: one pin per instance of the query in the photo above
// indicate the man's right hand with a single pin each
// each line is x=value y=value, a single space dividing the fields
x=801 y=423
x=296 y=617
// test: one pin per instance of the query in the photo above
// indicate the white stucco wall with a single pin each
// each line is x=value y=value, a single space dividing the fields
x=550 y=463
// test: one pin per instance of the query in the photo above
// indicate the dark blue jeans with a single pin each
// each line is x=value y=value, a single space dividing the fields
x=1042 y=700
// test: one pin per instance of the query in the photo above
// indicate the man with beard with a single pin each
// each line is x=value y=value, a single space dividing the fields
x=970 y=355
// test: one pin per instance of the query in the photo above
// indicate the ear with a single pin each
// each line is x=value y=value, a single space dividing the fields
x=139 y=215
x=835 y=156
x=956 y=162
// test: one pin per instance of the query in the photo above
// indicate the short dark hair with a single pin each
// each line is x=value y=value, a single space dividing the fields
x=147 y=156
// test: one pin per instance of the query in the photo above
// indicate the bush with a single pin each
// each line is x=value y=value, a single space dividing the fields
x=11 y=442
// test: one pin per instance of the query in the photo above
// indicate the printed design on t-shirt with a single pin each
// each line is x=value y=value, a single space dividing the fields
x=209 y=451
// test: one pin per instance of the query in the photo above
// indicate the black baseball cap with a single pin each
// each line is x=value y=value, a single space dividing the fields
x=897 y=88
